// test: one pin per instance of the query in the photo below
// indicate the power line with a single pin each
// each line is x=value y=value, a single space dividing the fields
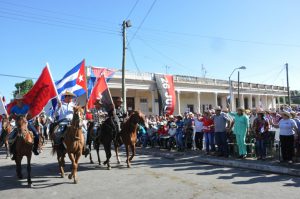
x=141 y=24
x=55 y=12
x=53 y=21
x=132 y=9
x=16 y=76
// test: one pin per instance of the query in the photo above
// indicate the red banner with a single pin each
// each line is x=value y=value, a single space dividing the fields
x=165 y=86
x=39 y=95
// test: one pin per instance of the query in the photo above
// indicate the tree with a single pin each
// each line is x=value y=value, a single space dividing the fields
x=295 y=97
x=23 y=87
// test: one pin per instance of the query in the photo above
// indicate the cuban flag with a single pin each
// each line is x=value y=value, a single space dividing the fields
x=73 y=81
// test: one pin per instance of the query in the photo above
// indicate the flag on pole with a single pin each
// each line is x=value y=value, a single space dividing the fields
x=101 y=91
x=39 y=95
x=95 y=72
x=2 y=106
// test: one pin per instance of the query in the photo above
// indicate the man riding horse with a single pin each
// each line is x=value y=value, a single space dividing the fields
x=22 y=109
x=65 y=113
x=121 y=115
x=99 y=116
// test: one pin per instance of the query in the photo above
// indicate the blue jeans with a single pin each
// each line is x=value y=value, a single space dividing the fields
x=210 y=141
x=221 y=139
x=179 y=140
x=261 y=148
x=34 y=131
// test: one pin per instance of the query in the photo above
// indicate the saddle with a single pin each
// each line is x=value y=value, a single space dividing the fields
x=27 y=136
x=60 y=132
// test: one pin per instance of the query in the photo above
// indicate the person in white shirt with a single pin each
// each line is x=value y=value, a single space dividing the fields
x=287 y=127
x=199 y=132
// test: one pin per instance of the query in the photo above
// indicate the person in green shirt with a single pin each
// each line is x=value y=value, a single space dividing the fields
x=240 y=129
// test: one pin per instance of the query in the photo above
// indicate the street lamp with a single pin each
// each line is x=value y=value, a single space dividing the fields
x=230 y=86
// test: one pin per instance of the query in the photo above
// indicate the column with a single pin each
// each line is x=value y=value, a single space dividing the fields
x=215 y=99
x=232 y=101
x=178 y=102
x=273 y=102
x=284 y=102
x=250 y=102
x=278 y=99
x=266 y=102
x=198 y=102
x=224 y=102
x=257 y=101
x=153 y=102
x=242 y=101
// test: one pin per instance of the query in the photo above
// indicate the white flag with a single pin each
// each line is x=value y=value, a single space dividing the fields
x=2 y=107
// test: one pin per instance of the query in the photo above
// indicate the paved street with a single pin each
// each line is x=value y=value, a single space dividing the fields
x=149 y=177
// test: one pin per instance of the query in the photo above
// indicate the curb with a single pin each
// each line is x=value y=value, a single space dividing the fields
x=226 y=162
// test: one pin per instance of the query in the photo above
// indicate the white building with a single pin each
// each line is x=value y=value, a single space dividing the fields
x=194 y=93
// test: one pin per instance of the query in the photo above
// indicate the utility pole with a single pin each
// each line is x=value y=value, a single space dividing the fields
x=123 y=65
x=167 y=67
x=288 y=84
x=238 y=100
x=125 y=24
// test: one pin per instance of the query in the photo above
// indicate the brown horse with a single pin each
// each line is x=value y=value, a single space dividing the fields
x=73 y=144
x=24 y=144
x=6 y=130
x=129 y=133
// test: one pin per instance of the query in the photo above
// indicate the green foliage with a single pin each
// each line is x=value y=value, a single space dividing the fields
x=24 y=87
x=295 y=100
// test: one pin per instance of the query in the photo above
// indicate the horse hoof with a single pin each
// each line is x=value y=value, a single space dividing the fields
x=75 y=181
x=70 y=176
x=62 y=175
x=29 y=185
x=109 y=168
x=92 y=162
x=128 y=166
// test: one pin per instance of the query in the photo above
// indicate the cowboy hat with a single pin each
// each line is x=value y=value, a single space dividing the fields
x=120 y=99
x=286 y=113
x=241 y=109
x=171 y=116
x=218 y=108
x=260 y=111
x=19 y=97
x=68 y=93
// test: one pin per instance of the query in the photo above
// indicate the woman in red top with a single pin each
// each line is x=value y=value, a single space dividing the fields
x=162 y=133
x=208 y=130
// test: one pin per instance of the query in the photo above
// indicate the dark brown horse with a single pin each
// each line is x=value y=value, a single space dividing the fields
x=73 y=144
x=24 y=144
x=129 y=133
x=6 y=130
x=106 y=134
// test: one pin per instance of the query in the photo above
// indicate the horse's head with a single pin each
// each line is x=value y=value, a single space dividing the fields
x=137 y=117
x=78 y=117
x=21 y=121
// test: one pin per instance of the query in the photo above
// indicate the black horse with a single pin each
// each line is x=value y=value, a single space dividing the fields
x=106 y=135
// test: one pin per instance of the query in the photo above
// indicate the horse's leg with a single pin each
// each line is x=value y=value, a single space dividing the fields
x=127 y=156
x=98 y=154
x=7 y=149
x=19 y=167
x=117 y=152
x=107 y=148
x=72 y=158
x=90 y=147
x=75 y=166
x=29 y=170
x=60 y=159
x=132 y=146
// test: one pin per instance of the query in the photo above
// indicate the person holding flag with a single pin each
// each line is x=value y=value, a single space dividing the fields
x=33 y=103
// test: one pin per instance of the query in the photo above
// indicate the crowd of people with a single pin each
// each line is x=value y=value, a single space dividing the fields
x=215 y=128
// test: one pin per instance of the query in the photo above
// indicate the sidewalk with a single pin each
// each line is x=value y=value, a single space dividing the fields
x=270 y=166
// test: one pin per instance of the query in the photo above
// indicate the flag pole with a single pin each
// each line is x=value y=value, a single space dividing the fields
x=57 y=96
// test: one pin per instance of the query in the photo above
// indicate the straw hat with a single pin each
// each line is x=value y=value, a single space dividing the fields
x=171 y=116
x=286 y=113
x=19 y=97
x=68 y=93
x=218 y=108
x=241 y=109
x=260 y=111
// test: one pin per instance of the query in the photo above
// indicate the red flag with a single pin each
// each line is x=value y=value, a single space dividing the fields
x=101 y=90
x=39 y=95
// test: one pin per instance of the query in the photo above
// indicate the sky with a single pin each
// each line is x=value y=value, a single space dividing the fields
x=182 y=35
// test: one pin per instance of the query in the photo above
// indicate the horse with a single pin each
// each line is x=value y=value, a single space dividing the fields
x=6 y=130
x=129 y=133
x=106 y=134
x=23 y=147
x=73 y=144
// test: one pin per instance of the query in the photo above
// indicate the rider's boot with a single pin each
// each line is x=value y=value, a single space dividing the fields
x=13 y=151
x=35 y=147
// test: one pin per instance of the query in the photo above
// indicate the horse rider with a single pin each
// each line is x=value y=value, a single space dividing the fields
x=99 y=115
x=65 y=113
x=22 y=109
x=120 y=112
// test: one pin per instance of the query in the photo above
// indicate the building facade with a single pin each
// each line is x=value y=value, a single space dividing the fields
x=194 y=94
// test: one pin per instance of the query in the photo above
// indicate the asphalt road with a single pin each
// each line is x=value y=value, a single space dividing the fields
x=149 y=177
